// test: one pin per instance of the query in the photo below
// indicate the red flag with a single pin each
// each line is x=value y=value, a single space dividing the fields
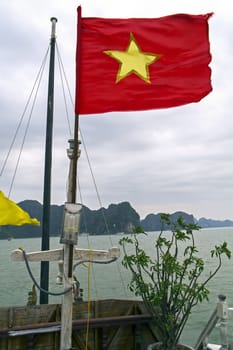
x=140 y=64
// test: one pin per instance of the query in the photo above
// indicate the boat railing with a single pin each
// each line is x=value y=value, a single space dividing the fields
x=219 y=318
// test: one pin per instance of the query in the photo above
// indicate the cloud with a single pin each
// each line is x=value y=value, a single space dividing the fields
x=163 y=160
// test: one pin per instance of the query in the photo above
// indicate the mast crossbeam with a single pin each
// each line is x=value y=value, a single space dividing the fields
x=58 y=254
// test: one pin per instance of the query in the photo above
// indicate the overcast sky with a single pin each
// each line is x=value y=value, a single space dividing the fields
x=160 y=161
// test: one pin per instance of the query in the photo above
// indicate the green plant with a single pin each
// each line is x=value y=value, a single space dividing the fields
x=173 y=280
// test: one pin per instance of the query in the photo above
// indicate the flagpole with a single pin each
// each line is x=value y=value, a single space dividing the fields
x=44 y=275
x=76 y=151
x=74 y=169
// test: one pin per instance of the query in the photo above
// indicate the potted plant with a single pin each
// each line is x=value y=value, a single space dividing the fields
x=173 y=279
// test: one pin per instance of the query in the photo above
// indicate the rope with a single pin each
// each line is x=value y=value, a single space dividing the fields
x=94 y=273
x=25 y=134
x=95 y=262
x=104 y=218
x=65 y=76
x=88 y=299
x=35 y=282
x=102 y=211
x=38 y=78
x=94 y=182
x=62 y=73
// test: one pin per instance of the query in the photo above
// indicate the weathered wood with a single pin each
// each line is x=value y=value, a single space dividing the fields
x=51 y=327
x=114 y=325
x=58 y=254
x=65 y=255
x=67 y=306
x=45 y=255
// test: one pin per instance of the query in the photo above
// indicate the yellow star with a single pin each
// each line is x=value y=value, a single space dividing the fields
x=133 y=61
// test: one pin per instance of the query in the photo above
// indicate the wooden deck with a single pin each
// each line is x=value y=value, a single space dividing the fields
x=113 y=325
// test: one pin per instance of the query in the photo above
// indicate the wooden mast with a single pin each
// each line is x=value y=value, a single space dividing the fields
x=67 y=299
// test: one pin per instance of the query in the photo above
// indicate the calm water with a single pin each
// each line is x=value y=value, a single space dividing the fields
x=110 y=281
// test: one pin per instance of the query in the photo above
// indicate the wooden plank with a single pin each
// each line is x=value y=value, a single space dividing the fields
x=112 y=332
x=33 y=314
x=45 y=255
x=58 y=254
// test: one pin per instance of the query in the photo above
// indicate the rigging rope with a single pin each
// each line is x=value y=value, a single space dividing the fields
x=88 y=299
x=25 y=133
x=94 y=273
x=62 y=73
x=35 y=86
x=89 y=246
x=102 y=211
x=34 y=90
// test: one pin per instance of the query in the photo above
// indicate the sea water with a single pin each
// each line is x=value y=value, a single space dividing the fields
x=110 y=280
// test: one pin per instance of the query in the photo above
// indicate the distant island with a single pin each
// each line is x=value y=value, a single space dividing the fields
x=117 y=218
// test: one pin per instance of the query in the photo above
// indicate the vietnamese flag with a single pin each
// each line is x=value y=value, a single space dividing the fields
x=140 y=64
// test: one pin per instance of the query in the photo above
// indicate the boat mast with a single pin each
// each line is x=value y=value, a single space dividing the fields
x=44 y=275
x=69 y=236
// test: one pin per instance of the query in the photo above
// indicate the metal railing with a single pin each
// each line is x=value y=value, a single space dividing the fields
x=218 y=318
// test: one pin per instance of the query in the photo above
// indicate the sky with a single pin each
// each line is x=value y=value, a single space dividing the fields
x=160 y=161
